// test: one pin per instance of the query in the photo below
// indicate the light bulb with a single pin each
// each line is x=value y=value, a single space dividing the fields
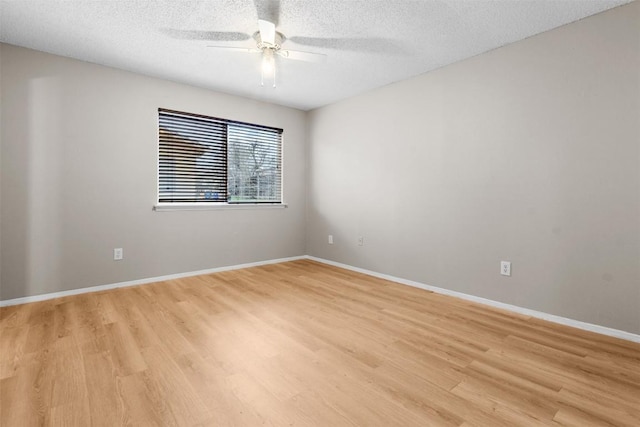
x=268 y=63
x=268 y=68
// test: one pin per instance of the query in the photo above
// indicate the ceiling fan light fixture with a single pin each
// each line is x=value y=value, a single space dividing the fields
x=268 y=62
x=268 y=67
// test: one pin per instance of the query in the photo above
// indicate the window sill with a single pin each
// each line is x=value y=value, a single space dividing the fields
x=165 y=207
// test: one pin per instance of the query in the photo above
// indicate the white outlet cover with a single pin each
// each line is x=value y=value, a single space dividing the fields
x=330 y=239
x=505 y=268
x=118 y=254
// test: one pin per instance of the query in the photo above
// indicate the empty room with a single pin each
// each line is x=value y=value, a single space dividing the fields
x=320 y=213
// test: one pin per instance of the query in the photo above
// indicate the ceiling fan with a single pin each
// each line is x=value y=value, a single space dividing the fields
x=269 y=41
x=269 y=44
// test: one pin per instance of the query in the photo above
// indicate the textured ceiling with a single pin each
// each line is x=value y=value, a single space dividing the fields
x=367 y=43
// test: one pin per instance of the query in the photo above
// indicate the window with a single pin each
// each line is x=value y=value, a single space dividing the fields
x=205 y=159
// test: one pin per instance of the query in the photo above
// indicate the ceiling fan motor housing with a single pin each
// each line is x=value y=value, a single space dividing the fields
x=279 y=39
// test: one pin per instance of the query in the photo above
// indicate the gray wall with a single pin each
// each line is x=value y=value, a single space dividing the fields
x=79 y=166
x=529 y=153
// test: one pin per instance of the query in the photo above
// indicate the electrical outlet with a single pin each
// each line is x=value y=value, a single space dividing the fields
x=360 y=240
x=505 y=268
x=330 y=239
x=118 y=254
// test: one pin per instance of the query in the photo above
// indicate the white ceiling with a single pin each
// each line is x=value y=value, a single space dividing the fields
x=368 y=43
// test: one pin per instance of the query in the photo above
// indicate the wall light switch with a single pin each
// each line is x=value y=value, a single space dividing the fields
x=505 y=268
x=330 y=239
x=118 y=254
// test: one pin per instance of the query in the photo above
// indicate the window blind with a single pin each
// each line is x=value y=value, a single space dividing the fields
x=254 y=159
x=207 y=159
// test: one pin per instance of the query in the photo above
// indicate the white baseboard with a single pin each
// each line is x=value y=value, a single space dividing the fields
x=526 y=311
x=44 y=297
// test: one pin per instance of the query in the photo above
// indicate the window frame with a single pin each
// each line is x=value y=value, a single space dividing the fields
x=217 y=205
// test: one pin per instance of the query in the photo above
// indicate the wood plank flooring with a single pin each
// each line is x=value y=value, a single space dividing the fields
x=306 y=344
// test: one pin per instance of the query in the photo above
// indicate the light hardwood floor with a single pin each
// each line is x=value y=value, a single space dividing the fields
x=302 y=343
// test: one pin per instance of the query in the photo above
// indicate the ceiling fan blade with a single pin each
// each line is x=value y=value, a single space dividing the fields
x=230 y=36
x=269 y=10
x=267 y=31
x=358 y=44
x=236 y=49
x=302 y=56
